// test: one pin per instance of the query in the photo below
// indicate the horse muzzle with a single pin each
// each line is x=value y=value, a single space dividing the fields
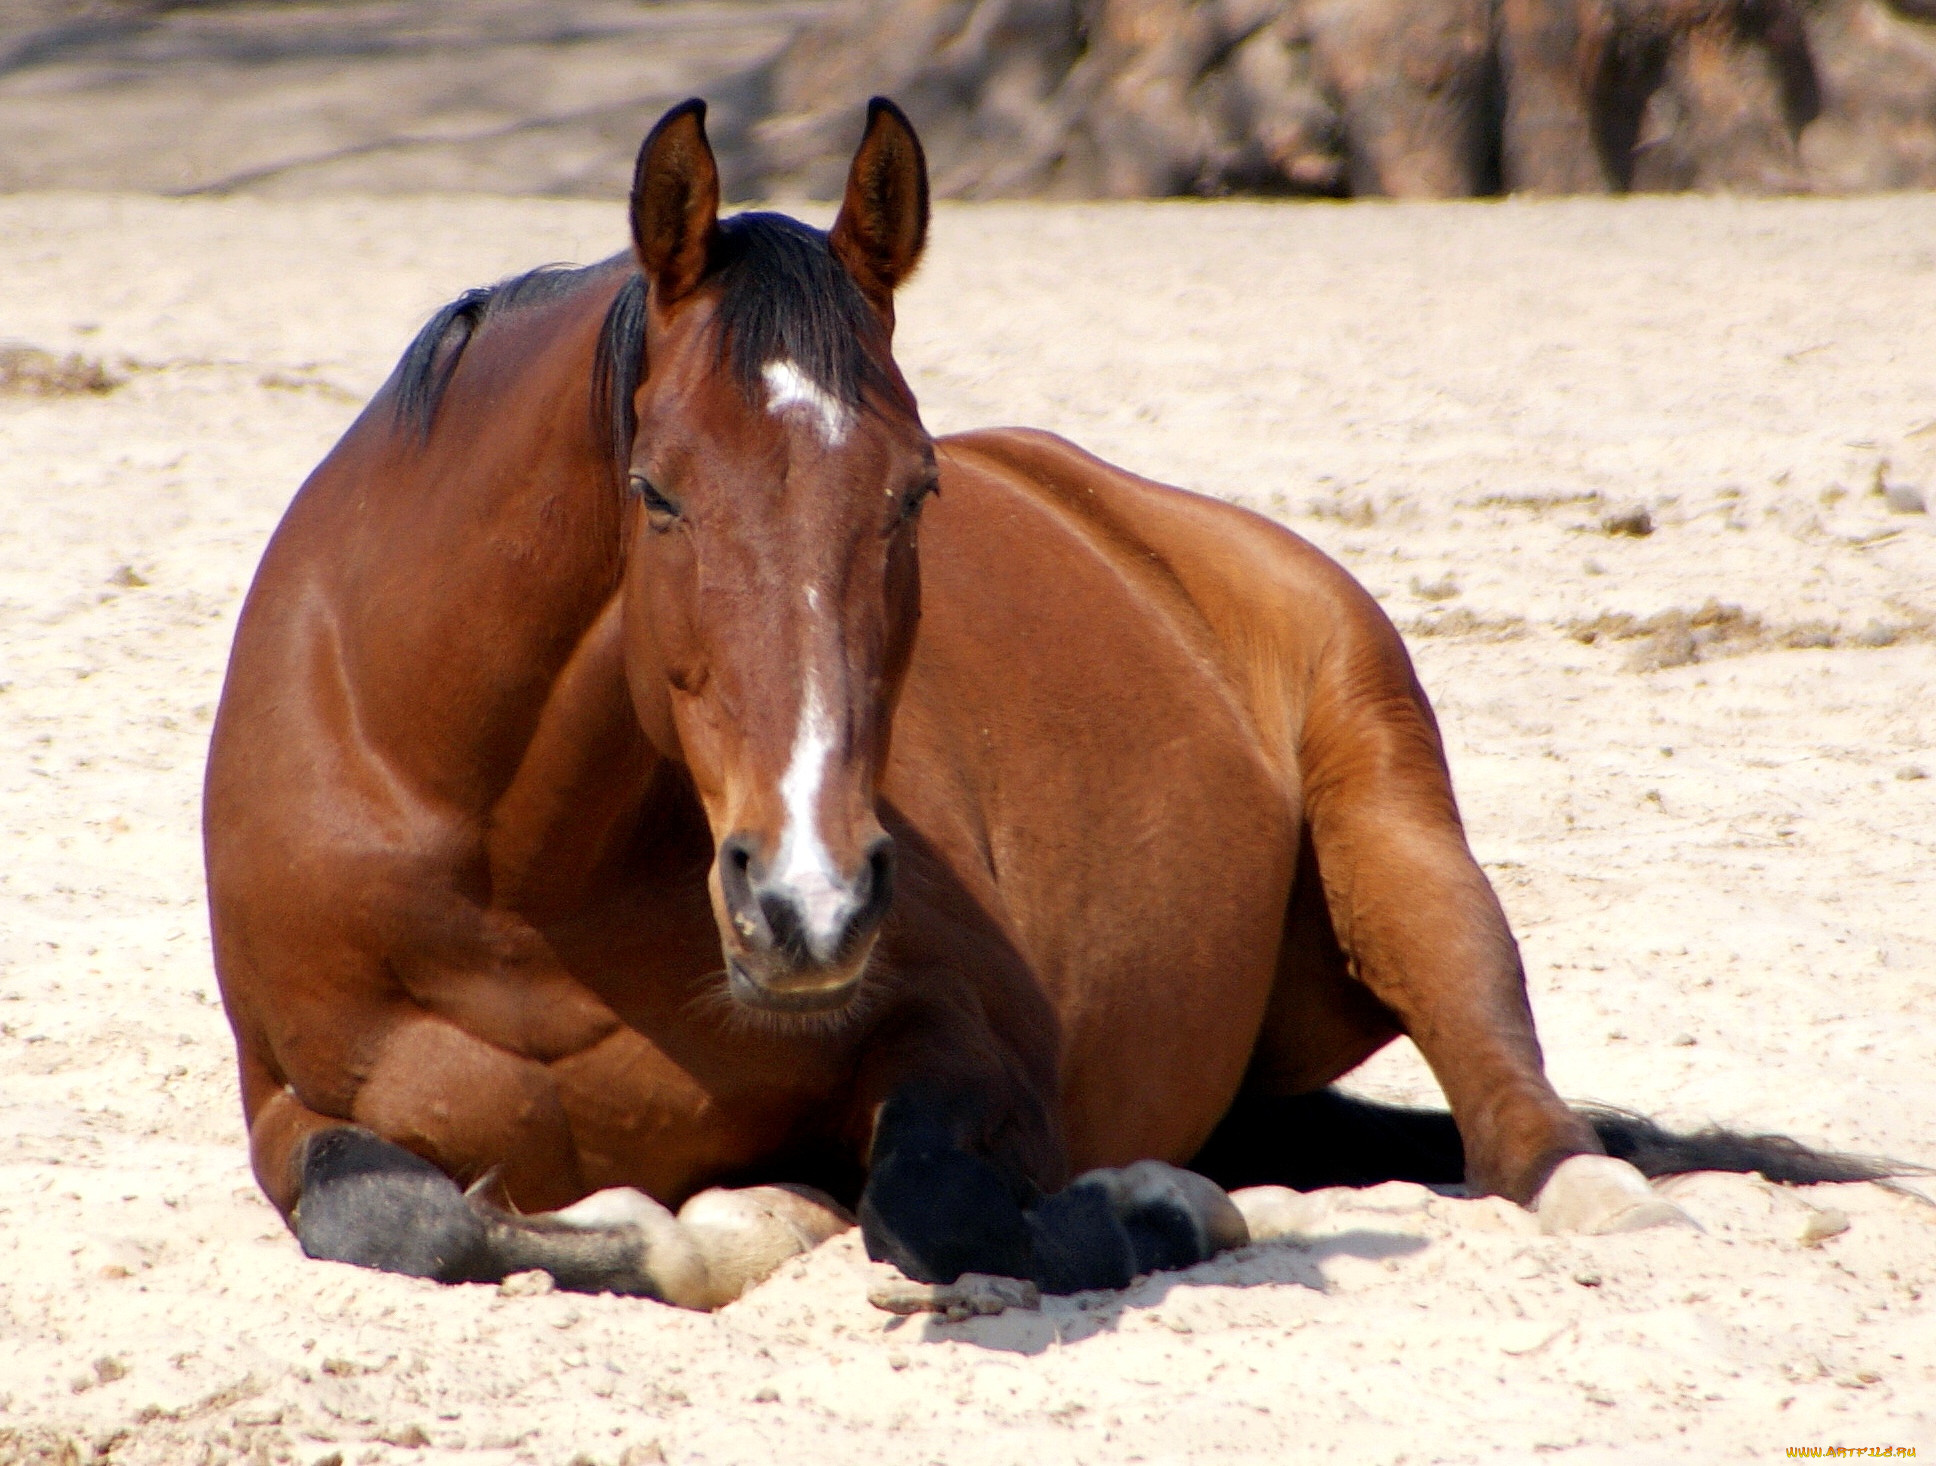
x=800 y=944
x=820 y=992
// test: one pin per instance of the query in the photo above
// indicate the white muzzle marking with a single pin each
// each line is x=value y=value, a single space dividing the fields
x=804 y=868
x=788 y=387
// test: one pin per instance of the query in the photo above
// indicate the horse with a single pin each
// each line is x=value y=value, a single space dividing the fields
x=653 y=773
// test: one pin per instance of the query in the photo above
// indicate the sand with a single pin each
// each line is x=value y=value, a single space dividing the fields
x=1699 y=762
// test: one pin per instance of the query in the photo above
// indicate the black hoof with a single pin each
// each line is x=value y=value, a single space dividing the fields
x=942 y=1213
x=1079 y=1244
x=374 y=1204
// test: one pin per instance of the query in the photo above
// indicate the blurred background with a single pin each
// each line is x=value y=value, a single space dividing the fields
x=1015 y=98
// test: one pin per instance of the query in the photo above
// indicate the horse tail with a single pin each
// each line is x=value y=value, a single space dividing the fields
x=1328 y=1138
x=1655 y=1151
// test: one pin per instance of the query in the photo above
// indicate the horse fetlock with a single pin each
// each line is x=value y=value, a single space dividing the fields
x=628 y=1243
x=1110 y=1226
x=369 y=1202
x=1596 y=1194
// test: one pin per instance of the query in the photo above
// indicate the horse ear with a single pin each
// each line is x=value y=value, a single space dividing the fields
x=675 y=202
x=883 y=223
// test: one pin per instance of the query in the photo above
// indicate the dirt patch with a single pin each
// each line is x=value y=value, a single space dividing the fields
x=28 y=371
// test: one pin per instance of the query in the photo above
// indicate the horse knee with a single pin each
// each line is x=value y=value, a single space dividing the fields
x=474 y=1108
x=369 y=1202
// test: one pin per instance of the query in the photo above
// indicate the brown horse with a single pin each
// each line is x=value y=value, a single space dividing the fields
x=1046 y=819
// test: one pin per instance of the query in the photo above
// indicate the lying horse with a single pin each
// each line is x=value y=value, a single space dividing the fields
x=651 y=764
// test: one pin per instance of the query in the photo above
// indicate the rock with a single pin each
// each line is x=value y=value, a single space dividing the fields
x=1905 y=499
x=1409 y=98
x=970 y=1294
x=1271 y=1212
x=1819 y=1224
x=534 y=1284
x=1635 y=523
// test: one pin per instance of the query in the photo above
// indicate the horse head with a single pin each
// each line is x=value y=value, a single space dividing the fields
x=772 y=583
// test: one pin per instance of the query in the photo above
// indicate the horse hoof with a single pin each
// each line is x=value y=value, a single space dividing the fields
x=744 y=1235
x=1592 y=1195
x=1157 y=1196
x=670 y=1265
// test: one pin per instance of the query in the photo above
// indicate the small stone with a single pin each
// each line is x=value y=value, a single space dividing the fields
x=533 y=1284
x=1588 y=1279
x=408 y=1438
x=1908 y=773
x=1877 y=634
x=108 y=1369
x=897 y=1361
x=766 y=1395
x=1820 y=1224
x=1904 y=499
x=1635 y=523
x=1684 y=1040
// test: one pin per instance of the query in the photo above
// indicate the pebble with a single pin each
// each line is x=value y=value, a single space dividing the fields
x=1821 y=1223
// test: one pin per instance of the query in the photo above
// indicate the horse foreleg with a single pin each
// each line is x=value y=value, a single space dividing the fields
x=369 y=1202
x=935 y=1209
x=353 y=1193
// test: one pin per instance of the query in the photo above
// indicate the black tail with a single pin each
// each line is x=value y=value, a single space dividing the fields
x=1333 y=1139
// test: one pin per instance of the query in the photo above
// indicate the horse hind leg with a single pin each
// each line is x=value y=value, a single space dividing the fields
x=1289 y=1129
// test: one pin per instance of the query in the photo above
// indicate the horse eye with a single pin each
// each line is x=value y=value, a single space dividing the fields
x=911 y=505
x=656 y=503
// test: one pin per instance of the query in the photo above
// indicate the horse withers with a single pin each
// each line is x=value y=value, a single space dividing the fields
x=653 y=772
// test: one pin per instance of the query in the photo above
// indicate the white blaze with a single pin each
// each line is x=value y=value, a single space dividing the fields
x=804 y=866
x=787 y=387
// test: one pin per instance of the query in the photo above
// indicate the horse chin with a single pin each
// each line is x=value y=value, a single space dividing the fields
x=822 y=992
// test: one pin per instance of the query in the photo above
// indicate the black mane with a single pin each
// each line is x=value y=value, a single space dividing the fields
x=784 y=297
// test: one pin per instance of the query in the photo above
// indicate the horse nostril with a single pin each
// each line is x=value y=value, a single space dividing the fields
x=878 y=888
x=736 y=881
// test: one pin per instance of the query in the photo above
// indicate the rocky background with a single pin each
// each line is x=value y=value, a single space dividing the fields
x=1015 y=98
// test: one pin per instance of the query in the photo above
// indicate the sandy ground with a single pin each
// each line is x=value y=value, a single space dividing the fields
x=289 y=97
x=1713 y=829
